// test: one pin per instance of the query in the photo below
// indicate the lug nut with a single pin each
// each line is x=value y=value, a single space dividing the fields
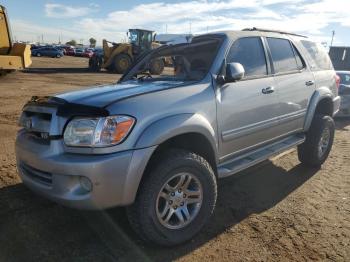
x=175 y=207
x=170 y=202
x=182 y=203
x=184 y=195
x=179 y=191
x=172 y=194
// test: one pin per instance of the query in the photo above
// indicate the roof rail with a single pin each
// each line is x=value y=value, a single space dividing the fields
x=271 y=30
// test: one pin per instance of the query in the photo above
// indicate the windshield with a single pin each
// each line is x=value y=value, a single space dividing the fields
x=133 y=36
x=345 y=79
x=182 y=62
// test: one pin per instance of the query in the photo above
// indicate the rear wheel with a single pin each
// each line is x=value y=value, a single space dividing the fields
x=319 y=140
x=95 y=64
x=157 y=67
x=175 y=200
x=3 y=73
x=121 y=63
x=38 y=54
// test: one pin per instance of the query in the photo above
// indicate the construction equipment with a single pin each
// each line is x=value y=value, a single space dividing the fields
x=12 y=57
x=118 y=57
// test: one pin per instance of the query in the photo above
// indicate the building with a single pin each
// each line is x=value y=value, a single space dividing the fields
x=340 y=56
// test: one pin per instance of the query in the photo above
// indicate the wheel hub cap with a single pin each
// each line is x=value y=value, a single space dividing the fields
x=179 y=201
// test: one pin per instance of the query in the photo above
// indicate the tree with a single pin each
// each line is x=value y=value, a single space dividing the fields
x=92 y=42
x=72 y=42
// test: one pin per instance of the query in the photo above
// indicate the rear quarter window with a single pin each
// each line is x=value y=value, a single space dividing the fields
x=319 y=58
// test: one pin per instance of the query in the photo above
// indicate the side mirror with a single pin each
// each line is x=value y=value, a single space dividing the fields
x=234 y=72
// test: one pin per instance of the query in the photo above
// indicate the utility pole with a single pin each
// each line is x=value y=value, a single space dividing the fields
x=333 y=34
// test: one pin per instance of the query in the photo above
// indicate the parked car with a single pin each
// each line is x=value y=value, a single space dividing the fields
x=70 y=51
x=158 y=143
x=344 y=92
x=47 y=51
x=88 y=53
x=79 y=52
x=98 y=51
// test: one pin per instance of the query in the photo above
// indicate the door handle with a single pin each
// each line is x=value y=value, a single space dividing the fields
x=309 y=83
x=268 y=90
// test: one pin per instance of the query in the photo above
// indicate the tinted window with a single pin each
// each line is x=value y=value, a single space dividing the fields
x=282 y=55
x=344 y=79
x=319 y=57
x=250 y=53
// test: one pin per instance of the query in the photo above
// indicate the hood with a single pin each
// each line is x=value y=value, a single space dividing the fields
x=103 y=96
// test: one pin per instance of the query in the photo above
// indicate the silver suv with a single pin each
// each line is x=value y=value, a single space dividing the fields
x=157 y=144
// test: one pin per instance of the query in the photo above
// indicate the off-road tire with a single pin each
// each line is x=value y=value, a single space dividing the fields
x=308 y=152
x=121 y=63
x=142 y=214
x=3 y=73
x=156 y=67
x=95 y=64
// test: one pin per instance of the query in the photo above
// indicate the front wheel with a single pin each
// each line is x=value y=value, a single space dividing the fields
x=175 y=200
x=38 y=54
x=319 y=140
x=121 y=63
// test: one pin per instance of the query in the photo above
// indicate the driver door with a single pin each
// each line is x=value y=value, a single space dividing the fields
x=247 y=109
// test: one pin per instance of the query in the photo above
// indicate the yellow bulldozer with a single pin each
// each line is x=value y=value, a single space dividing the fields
x=118 y=57
x=12 y=56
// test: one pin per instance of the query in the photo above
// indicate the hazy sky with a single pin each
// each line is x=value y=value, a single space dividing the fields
x=80 y=20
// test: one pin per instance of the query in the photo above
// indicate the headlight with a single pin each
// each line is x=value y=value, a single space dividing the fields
x=98 y=132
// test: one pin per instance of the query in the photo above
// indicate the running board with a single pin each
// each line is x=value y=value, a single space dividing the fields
x=232 y=167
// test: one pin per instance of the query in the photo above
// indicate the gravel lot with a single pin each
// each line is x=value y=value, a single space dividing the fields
x=277 y=211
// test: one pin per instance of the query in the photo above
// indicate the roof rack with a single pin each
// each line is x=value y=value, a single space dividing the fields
x=271 y=30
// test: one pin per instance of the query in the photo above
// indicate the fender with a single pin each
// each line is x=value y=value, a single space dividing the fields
x=318 y=95
x=171 y=126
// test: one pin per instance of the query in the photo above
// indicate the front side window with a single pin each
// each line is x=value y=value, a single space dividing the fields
x=250 y=53
x=283 y=56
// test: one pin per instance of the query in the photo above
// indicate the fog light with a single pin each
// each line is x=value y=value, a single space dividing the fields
x=85 y=183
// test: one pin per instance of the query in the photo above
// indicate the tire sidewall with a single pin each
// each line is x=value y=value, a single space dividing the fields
x=327 y=122
x=208 y=183
x=118 y=58
x=157 y=67
x=319 y=123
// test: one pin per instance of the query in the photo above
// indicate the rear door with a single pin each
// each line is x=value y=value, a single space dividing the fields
x=44 y=51
x=246 y=114
x=294 y=84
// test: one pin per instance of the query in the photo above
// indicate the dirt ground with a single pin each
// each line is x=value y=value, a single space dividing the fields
x=278 y=211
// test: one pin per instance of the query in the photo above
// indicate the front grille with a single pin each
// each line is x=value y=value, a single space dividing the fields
x=44 y=178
